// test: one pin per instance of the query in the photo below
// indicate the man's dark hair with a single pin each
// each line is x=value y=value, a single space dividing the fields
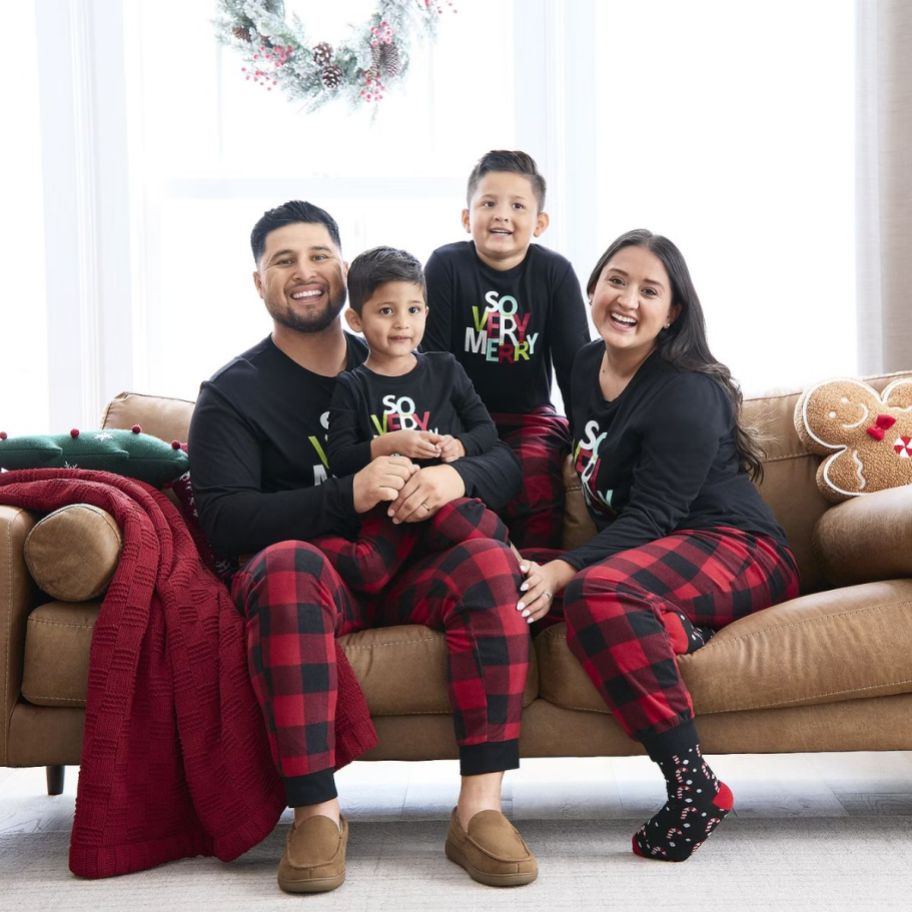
x=288 y=214
x=515 y=162
x=374 y=267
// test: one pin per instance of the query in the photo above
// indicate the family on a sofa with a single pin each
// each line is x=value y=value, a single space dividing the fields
x=349 y=478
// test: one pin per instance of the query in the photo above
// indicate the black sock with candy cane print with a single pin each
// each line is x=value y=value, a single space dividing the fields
x=697 y=800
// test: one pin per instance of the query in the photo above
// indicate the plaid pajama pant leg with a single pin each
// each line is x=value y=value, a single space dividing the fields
x=296 y=605
x=469 y=592
x=623 y=624
x=541 y=442
x=370 y=562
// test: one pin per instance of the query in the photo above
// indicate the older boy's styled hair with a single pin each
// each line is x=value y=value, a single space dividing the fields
x=289 y=214
x=515 y=162
x=374 y=267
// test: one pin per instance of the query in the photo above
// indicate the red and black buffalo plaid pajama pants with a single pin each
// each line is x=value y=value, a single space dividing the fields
x=624 y=615
x=296 y=604
x=541 y=441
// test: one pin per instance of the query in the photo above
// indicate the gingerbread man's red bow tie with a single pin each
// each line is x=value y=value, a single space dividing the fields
x=883 y=423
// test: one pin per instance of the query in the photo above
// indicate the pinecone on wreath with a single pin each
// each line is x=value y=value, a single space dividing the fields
x=322 y=54
x=385 y=58
x=241 y=33
x=331 y=76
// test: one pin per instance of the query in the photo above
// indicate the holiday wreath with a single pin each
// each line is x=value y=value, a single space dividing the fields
x=279 y=52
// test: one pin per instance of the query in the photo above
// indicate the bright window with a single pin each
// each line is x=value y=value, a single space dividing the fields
x=729 y=127
x=216 y=151
x=23 y=350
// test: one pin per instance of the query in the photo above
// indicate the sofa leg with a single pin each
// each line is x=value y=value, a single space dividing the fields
x=55 y=776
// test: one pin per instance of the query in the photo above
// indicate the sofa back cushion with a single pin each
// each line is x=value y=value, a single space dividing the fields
x=790 y=474
x=160 y=416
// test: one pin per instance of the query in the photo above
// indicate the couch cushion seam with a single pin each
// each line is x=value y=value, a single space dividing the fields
x=747 y=706
x=864 y=609
x=353 y=646
x=826 y=693
x=34 y=620
x=32 y=697
x=8 y=634
x=716 y=646
x=796 y=455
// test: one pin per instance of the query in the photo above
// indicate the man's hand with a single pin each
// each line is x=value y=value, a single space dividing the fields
x=451 y=448
x=415 y=444
x=425 y=493
x=381 y=479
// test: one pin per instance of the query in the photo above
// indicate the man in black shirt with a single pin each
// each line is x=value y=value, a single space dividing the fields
x=257 y=443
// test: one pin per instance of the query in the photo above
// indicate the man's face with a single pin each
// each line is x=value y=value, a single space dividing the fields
x=301 y=277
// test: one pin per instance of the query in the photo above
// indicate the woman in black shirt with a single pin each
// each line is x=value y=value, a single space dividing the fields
x=685 y=543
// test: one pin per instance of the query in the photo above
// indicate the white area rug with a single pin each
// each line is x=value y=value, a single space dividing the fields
x=825 y=864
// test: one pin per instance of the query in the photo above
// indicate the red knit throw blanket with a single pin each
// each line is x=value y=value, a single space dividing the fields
x=175 y=760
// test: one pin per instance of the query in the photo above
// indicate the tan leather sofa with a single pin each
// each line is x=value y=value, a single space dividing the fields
x=828 y=671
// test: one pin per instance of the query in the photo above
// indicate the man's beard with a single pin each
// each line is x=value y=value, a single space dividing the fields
x=310 y=324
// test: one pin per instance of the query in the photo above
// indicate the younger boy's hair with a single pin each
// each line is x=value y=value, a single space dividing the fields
x=374 y=267
x=290 y=213
x=515 y=162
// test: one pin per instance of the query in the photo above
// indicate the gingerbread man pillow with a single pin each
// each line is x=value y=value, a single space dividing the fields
x=866 y=436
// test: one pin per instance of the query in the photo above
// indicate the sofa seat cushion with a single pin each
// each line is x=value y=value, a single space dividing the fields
x=402 y=669
x=57 y=640
x=844 y=644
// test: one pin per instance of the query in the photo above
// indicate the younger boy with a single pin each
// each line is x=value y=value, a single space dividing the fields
x=399 y=401
x=402 y=403
x=509 y=311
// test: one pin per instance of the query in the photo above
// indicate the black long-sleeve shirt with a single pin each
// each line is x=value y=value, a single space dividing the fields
x=658 y=458
x=507 y=328
x=436 y=395
x=258 y=455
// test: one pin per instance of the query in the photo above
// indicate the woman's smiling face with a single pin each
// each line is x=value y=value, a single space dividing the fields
x=632 y=301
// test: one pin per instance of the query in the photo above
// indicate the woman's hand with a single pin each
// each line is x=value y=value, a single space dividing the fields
x=425 y=493
x=543 y=582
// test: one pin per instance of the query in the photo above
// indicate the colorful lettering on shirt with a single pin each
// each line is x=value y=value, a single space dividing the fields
x=499 y=332
x=587 y=463
x=401 y=414
x=321 y=471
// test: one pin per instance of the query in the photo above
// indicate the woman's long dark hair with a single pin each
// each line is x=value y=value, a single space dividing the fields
x=684 y=342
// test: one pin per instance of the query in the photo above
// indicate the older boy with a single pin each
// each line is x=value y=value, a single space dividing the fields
x=510 y=310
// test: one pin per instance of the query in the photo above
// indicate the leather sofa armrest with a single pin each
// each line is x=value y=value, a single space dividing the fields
x=18 y=596
x=867 y=538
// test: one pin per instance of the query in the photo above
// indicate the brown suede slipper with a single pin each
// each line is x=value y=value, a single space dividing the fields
x=314 y=857
x=492 y=851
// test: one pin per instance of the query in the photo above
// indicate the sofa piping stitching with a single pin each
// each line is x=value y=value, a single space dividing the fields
x=34 y=620
x=746 y=706
x=8 y=632
x=78 y=701
x=346 y=646
x=714 y=644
